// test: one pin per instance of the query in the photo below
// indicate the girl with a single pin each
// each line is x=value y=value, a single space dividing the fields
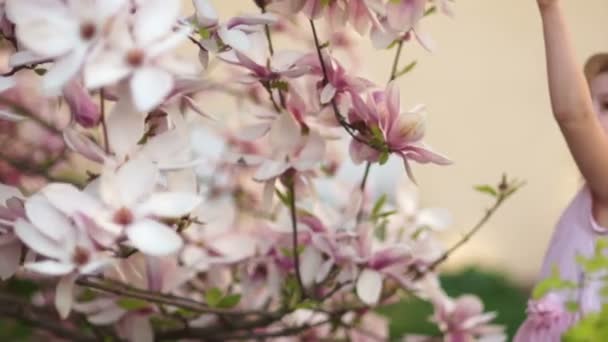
x=580 y=105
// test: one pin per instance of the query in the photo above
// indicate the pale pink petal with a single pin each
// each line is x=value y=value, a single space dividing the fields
x=205 y=13
x=254 y=132
x=233 y=247
x=236 y=39
x=33 y=238
x=369 y=286
x=434 y=218
x=96 y=266
x=134 y=179
x=328 y=93
x=324 y=270
x=312 y=153
x=49 y=267
x=125 y=128
x=10 y=257
x=270 y=169
x=81 y=144
x=64 y=69
x=140 y=329
x=107 y=316
x=64 y=296
x=49 y=221
x=24 y=57
x=50 y=35
x=155 y=19
x=425 y=40
x=382 y=38
x=310 y=261
x=69 y=200
x=149 y=87
x=285 y=133
x=153 y=238
x=403 y=15
x=106 y=68
x=169 y=204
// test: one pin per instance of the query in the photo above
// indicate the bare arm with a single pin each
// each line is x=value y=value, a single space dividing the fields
x=573 y=108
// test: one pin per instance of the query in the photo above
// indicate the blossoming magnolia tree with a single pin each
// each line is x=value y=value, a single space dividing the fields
x=132 y=227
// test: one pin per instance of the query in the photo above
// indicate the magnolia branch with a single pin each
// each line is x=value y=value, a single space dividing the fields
x=294 y=230
x=39 y=317
x=120 y=289
x=505 y=191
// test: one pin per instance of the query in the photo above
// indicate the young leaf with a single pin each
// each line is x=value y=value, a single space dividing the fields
x=132 y=303
x=213 y=297
x=229 y=301
x=486 y=189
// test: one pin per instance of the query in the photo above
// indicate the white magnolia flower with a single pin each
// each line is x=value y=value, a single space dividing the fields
x=64 y=31
x=129 y=204
x=141 y=49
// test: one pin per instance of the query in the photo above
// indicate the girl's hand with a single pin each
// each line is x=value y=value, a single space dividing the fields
x=546 y=3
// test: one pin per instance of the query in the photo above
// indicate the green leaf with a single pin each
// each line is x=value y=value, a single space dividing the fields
x=307 y=304
x=280 y=85
x=380 y=231
x=383 y=158
x=430 y=10
x=385 y=214
x=379 y=204
x=283 y=197
x=572 y=306
x=406 y=69
x=229 y=301
x=213 y=297
x=132 y=303
x=486 y=189
x=40 y=71
x=553 y=282
x=204 y=33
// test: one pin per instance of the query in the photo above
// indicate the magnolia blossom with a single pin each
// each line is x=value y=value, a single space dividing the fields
x=233 y=33
x=128 y=204
x=381 y=121
x=141 y=48
x=463 y=319
x=11 y=209
x=65 y=31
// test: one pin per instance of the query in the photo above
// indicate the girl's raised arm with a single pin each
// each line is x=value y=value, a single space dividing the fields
x=573 y=107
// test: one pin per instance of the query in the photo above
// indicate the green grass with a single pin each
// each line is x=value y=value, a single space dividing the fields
x=496 y=291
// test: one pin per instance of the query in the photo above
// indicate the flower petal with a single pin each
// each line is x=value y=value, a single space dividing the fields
x=130 y=183
x=69 y=200
x=64 y=296
x=236 y=39
x=64 y=69
x=149 y=87
x=10 y=257
x=153 y=238
x=125 y=128
x=34 y=239
x=49 y=221
x=369 y=286
x=49 y=267
x=169 y=204
x=155 y=19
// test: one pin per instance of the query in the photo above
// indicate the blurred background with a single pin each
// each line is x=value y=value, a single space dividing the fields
x=488 y=110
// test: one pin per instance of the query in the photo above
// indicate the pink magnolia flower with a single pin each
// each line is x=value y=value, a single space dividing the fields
x=463 y=320
x=84 y=110
x=234 y=33
x=547 y=320
x=283 y=64
x=65 y=31
x=339 y=80
x=380 y=122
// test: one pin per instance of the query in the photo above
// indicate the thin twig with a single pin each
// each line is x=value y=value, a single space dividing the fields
x=396 y=61
x=120 y=289
x=294 y=231
x=104 y=126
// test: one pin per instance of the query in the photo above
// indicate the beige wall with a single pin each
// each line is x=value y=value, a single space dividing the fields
x=489 y=112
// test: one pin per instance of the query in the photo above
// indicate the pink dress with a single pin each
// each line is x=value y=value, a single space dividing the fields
x=576 y=233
